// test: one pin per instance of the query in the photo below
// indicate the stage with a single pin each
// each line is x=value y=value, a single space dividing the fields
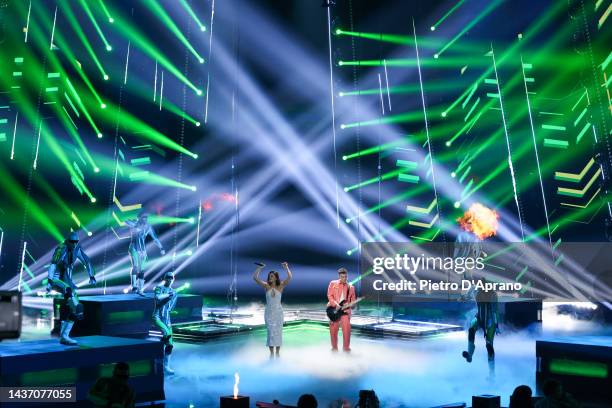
x=174 y=173
x=421 y=372
x=418 y=372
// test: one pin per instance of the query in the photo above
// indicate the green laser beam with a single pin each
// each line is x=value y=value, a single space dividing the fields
x=193 y=15
x=76 y=26
x=95 y=24
x=492 y=6
x=105 y=10
x=161 y=13
x=448 y=13
x=129 y=30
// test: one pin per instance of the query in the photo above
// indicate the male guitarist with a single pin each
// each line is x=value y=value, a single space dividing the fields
x=341 y=295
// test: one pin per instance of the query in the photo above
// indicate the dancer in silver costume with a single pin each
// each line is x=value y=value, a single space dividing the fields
x=60 y=279
x=469 y=244
x=487 y=319
x=139 y=230
x=165 y=300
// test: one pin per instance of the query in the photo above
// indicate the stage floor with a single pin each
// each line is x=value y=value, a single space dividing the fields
x=404 y=373
x=414 y=373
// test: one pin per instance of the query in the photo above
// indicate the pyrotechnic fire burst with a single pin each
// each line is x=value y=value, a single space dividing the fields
x=480 y=220
x=236 y=382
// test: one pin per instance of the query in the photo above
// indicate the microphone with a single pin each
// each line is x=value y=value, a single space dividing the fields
x=259 y=264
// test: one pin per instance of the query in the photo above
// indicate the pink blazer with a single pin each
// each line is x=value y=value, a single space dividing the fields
x=336 y=290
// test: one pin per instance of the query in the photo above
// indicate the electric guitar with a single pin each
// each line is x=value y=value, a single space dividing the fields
x=335 y=313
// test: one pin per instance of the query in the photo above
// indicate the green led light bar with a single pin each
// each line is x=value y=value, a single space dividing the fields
x=591 y=369
x=161 y=219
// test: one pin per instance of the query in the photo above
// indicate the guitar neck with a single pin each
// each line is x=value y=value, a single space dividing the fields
x=354 y=302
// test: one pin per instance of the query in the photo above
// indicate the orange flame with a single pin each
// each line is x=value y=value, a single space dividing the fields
x=236 y=382
x=480 y=220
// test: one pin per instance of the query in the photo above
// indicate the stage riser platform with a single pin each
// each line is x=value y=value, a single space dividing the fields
x=127 y=315
x=583 y=364
x=209 y=330
x=48 y=363
x=517 y=314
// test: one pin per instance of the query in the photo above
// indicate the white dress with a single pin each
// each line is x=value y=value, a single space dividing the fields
x=274 y=318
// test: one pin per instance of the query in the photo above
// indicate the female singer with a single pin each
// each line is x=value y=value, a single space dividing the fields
x=274 y=311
